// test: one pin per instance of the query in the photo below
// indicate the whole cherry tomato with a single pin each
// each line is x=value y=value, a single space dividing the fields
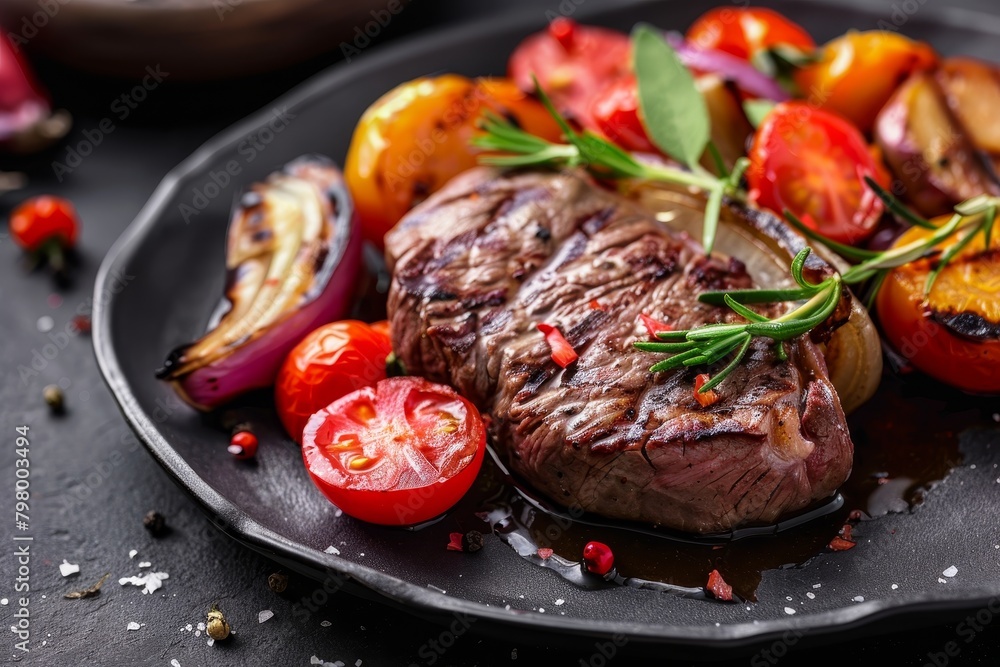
x=399 y=453
x=813 y=163
x=952 y=333
x=415 y=138
x=747 y=32
x=573 y=64
x=44 y=220
x=332 y=361
x=857 y=73
x=615 y=115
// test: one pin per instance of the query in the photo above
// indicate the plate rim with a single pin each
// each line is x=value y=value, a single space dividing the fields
x=234 y=522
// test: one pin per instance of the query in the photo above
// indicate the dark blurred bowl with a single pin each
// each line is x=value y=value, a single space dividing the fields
x=193 y=39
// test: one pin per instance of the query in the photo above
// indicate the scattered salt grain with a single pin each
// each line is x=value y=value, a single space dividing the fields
x=513 y=654
x=325 y=624
x=150 y=581
x=560 y=602
x=339 y=513
x=210 y=642
x=133 y=553
x=950 y=572
x=541 y=610
x=66 y=568
x=174 y=663
x=788 y=597
x=188 y=627
x=858 y=598
x=133 y=626
x=264 y=615
x=895 y=586
x=942 y=581
x=45 y=324
x=811 y=595
x=817 y=585
x=197 y=633
x=201 y=626
x=332 y=550
x=789 y=611
x=145 y=564
x=4 y=602
x=435 y=588
x=358 y=663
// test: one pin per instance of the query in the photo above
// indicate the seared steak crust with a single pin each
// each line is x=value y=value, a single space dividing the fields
x=481 y=263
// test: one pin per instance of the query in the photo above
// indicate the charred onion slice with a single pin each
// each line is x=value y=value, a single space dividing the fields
x=292 y=257
x=766 y=245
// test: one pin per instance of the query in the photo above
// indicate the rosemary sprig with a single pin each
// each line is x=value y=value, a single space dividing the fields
x=513 y=147
x=710 y=343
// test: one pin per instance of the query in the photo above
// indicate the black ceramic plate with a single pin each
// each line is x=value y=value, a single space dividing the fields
x=161 y=280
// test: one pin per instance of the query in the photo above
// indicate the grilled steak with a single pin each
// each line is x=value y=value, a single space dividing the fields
x=481 y=263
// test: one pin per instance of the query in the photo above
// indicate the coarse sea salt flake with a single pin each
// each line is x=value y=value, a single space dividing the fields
x=950 y=572
x=560 y=602
x=859 y=598
x=174 y=663
x=895 y=586
x=325 y=624
x=133 y=626
x=133 y=553
x=789 y=611
x=66 y=568
x=145 y=563
x=817 y=585
x=811 y=595
x=264 y=615
x=332 y=550
x=150 y=581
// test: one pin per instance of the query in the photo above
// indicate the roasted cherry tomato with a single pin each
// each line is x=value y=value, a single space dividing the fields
x=615 y=115
x=573 y=64
x=330 y=362
x=813 y=163
x=746 y=32
x=952 y=334
x=415 y=138
x=42 y=221
x=399 y=453
x=857 y=73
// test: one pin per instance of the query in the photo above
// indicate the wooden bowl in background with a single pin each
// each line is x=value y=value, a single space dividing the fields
x=193 y=39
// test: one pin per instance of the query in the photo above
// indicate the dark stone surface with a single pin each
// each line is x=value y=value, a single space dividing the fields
x=92 y=483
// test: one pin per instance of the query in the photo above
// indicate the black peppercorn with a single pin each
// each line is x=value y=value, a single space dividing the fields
x=472 y=541
x=277 y=582
x=154 y=523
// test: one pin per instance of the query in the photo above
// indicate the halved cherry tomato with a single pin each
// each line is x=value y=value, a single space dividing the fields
x=415 y=138
x=399 y=453
x=43 y=220
x=952 y=334
x=746 y=32
x=813 y=163
x=857 y=73
x=573 y=64
x=332 y=361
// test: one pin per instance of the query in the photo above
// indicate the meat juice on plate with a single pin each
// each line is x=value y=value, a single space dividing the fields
x=906 y=440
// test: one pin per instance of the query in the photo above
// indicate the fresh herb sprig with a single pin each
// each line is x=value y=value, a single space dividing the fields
x=710 y=343
x=675 y=118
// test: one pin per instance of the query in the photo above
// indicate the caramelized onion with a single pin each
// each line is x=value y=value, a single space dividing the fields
x=766 y=245
x=293 y=253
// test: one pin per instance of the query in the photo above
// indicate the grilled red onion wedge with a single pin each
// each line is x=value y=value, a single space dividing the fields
x=293 y=254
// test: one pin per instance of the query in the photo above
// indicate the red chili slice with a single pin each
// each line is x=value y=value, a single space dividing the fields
x=562 y=352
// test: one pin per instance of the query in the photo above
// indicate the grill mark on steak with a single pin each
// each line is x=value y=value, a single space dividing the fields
x=479 y=264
